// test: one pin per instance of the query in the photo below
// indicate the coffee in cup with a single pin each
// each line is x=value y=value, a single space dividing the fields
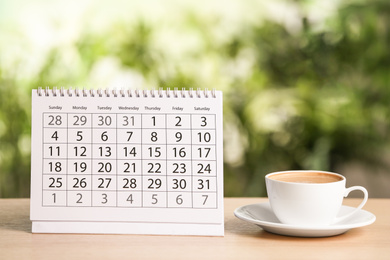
x=306 y=177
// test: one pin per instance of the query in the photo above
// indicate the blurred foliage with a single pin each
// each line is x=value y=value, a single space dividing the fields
x=309 y=96
x=322 y=98
x=14 y=141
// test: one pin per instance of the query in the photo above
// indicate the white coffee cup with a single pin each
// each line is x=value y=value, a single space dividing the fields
x=309 y=198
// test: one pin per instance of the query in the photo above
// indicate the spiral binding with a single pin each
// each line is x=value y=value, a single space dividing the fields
x=77 y=92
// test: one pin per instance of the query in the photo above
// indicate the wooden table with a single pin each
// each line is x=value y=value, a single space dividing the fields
x=242 y=240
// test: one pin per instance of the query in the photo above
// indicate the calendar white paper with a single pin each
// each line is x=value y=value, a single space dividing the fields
x=127 y=162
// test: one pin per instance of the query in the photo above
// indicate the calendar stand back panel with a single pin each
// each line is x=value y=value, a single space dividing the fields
x=127 y=162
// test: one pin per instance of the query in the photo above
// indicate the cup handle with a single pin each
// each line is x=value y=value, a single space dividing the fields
x=347 y=191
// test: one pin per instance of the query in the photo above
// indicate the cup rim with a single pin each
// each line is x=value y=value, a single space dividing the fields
x=302 y=171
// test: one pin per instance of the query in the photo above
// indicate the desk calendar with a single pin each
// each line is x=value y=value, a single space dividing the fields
x=127 y=162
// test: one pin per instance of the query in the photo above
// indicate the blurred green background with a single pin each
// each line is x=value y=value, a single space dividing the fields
x=306 y=83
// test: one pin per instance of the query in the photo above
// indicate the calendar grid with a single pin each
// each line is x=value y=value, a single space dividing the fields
x=93 y=159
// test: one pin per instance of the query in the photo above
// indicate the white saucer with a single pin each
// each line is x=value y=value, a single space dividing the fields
x=261 y=214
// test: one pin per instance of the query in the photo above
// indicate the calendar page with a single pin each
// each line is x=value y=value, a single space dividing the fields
x=127 y=162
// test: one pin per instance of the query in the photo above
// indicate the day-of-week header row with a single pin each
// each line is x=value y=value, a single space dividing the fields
x=131 y=108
